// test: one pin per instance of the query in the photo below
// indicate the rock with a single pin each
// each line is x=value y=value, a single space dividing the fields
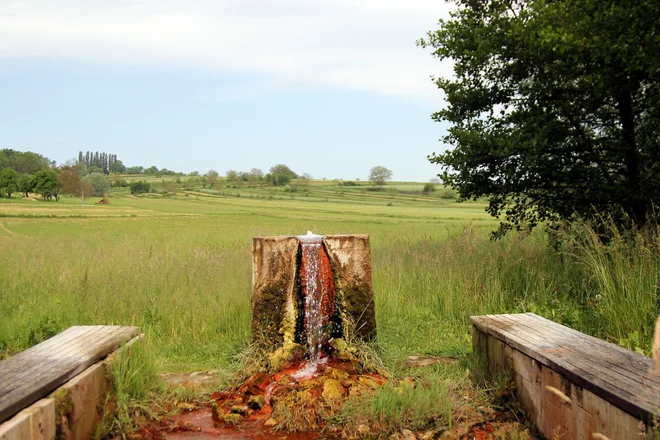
x=332 y=390
x=185 y=406
x=239 y=409
x=339 y=345
x=270 y=422
x=338 y=374
x=256 y=402
x=232 y=419
x=408 y=435
x=216 y=412
x=347 y=383
x=366 y=380
x=363 y=429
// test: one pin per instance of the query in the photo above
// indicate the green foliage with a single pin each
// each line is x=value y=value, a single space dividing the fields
x=100 y=185
x=280 y=175
x=45 y=183
x=379 y=175
x=22 y=162
x=212 y=177
x=140 y=187
x=117 y=167
x=428 y=188
x=8 y=181
x=554 y=107
x=414 y=406
x=25 y=184
x=134 y=170
x=133 y=379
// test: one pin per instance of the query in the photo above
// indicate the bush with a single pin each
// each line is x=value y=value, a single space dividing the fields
x=448 y=193
x=100 y=184
x=140 y=187
x=428 y=188
x=350 y=183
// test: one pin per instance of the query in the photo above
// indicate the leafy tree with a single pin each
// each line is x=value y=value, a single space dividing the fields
x=8 y=181
x=22 y=162
x=70 y=182
x=151 y=170
x=194 y=174
x=231 y=176
x=428 y=188
x=45 y=183
x=255 y=176
x=100 y=185
x=93 y=169
x=140 y=187
x=117 y=167
x=379 y=175
x=25 y=184
x=134 y=170
x=280 y=175
x=212 y=177
x=554 y=108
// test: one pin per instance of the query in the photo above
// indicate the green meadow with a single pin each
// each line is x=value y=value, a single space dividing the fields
x=179 y=267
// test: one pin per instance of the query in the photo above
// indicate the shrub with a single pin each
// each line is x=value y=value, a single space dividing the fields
x=140 y=187
x=100 y=184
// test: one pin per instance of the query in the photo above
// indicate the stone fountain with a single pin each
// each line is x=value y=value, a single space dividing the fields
x=310 y=295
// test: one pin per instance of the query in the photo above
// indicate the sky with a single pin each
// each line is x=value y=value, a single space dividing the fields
x=330 y=88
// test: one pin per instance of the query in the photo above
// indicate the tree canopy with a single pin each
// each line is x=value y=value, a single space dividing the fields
x=280 y=175
x=45 y=183
x=554 y=107
x=8 y=181
x=379 y=175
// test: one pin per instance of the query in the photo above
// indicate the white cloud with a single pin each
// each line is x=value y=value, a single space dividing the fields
x=358 y=44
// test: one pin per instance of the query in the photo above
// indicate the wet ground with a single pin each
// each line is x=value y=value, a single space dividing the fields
x=288 y=405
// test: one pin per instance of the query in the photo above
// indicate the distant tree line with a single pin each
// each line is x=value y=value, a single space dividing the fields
x=106 y=163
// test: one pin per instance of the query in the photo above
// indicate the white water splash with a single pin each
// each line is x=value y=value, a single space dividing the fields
x=313 y=300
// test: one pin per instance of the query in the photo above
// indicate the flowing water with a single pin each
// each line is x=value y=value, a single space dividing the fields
x=313 y=295
x=318 y=297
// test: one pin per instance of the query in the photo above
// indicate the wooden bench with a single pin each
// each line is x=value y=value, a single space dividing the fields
x=611 y=390
x=35 y=373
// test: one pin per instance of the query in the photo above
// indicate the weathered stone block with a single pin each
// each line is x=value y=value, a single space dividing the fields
x=276 y=282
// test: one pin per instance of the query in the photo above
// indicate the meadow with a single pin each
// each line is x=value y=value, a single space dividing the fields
x=179 y=267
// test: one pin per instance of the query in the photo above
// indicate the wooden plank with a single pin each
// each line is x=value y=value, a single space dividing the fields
x=608 y=381
x=68 y=354
x=18 y=428
x=573 y=350
x=599 y=363
x=42 y=420
x=613 y=373
x=32 y=374
x=625 y=361
x=16 y=362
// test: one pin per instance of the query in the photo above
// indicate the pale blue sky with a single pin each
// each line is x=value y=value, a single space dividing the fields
x=329 y=88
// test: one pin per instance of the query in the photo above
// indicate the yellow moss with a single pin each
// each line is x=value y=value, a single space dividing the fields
x=333 y=391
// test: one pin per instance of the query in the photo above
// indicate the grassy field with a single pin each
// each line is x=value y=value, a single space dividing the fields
x=179 y=267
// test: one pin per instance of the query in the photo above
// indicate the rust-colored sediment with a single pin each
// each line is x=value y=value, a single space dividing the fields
x=244 y=413
x=325 y=286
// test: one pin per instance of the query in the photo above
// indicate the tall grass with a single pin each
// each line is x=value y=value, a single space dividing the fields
x=181 y=271
x=427 y=290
